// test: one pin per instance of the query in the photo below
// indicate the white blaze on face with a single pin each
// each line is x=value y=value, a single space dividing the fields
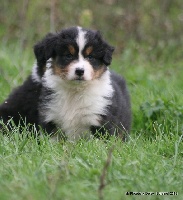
x=81 y=40
x=81 y=63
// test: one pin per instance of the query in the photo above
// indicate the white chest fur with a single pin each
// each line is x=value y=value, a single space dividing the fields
x=74 y=107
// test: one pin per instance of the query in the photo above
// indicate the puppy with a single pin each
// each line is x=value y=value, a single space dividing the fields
x=71 y=90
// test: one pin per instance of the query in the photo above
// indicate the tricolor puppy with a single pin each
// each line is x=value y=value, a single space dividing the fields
x=71 y=88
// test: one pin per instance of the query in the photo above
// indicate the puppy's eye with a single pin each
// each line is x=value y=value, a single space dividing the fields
x=89 y=57
x=68 y=56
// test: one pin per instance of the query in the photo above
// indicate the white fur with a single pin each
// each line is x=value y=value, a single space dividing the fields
x=81 y=40
x=75 y=106
x=82 y=64
x=35 y=76
x=49 y=63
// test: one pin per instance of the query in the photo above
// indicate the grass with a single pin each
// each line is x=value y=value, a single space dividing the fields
x=152 y=160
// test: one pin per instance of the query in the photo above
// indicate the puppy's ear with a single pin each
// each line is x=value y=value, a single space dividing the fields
x=44 y=49
x=107 y=58
x=108 y=54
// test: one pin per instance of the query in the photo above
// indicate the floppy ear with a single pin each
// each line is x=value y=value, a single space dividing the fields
x=108 y=55
x=107 y=58
x=44 y=50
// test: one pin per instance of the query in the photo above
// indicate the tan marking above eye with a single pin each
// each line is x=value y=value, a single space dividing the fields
x=88 y=50
x=71 y=49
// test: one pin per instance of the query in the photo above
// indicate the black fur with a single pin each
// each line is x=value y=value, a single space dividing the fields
x=22 y=104
x=25 y=103
x=120 y=109
x=101 y=49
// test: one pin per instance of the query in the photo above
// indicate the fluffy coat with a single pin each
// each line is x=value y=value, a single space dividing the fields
x=71 y=90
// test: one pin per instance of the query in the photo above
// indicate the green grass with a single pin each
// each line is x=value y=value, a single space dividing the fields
x=152 y=160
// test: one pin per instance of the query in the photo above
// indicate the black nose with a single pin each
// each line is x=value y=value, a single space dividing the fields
x=79 y=72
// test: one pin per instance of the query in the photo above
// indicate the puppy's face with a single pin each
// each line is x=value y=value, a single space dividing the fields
x=76 y=54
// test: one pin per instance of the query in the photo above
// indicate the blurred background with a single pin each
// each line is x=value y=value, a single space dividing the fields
x=154 y=23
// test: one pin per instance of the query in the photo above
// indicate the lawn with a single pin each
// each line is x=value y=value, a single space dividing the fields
x=151 y=161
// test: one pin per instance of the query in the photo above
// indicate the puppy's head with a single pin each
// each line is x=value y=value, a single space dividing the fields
x=75 y=53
